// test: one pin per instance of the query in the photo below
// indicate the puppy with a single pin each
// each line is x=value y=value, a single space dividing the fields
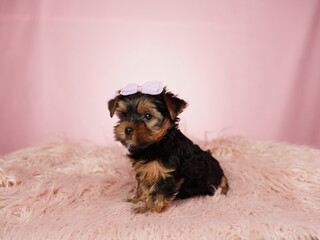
x=167 y=164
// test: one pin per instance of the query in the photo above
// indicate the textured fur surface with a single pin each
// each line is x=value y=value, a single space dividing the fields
x=68 y=190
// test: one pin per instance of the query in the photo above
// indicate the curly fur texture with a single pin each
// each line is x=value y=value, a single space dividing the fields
x=68 y=190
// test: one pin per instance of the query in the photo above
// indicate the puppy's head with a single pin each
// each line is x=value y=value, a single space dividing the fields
x=144 y=119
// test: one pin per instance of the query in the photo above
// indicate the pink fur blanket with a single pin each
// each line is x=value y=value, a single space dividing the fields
x=70 y=190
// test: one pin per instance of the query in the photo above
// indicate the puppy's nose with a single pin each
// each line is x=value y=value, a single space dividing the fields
x=128 y=130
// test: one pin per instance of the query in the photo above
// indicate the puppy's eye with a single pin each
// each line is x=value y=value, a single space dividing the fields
x=148 y=116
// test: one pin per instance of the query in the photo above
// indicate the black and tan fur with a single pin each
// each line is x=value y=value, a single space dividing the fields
x=167 y=164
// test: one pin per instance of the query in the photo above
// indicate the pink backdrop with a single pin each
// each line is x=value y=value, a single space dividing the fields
x=246 y=67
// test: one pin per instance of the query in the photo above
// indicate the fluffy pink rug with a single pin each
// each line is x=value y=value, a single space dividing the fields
x=68 y=190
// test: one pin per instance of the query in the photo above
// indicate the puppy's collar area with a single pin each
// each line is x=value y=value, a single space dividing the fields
x=151 y=88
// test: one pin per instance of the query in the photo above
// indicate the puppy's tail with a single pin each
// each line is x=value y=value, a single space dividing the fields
x=224 y=185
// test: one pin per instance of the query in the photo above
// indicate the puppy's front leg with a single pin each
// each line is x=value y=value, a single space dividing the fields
x=163 y=192
x=155 y=203
x=142 y=193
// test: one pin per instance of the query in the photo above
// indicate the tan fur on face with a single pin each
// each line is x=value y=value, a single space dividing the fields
x=144 y=131
x=153 y=135
x=121 y=108
x=120 y=135
x=145 y=106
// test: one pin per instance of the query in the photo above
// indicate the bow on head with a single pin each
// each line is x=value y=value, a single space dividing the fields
x=152 y=88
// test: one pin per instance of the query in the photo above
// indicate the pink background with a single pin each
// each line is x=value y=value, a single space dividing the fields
x=247 y=67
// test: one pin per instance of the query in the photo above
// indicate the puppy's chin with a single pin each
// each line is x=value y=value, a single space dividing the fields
x=135 y=147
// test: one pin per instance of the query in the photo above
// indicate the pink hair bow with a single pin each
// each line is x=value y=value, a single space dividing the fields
x=152 y=88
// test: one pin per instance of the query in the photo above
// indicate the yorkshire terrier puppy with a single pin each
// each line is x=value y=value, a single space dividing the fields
x=167 y=164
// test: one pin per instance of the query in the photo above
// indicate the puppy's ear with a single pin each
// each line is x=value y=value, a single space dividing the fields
x=112 y=105
x=174 y=104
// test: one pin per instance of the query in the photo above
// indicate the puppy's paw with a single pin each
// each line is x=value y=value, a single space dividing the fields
x=134 y=200
x=139 y=210
x=145 y=209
